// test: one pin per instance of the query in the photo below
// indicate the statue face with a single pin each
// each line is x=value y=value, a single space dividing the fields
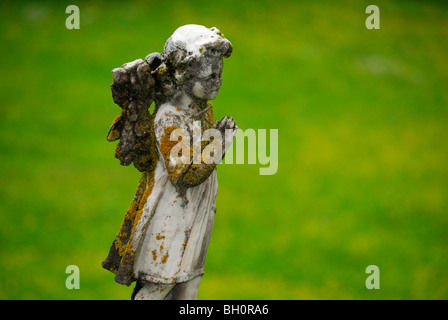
x=208 y=80
x=198 y=54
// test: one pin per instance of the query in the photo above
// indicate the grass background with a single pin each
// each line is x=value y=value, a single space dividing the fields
x=363 y=151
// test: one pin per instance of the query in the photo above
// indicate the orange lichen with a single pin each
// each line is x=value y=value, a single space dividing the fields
x=175 y=169
x=114 y=134
x=187 y=237
x=154 y=254
x=164 y=258
x=207 y=119
x=199 y=168
x=123 y=242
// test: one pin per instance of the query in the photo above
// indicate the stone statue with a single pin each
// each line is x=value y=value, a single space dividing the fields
x=163 y=239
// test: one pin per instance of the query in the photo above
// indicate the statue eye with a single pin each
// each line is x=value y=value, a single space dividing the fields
x=213 y=76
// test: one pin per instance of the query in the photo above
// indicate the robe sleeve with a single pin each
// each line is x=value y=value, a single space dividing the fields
x=174 y=140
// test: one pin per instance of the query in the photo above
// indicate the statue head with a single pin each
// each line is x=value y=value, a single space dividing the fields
x=192 y=61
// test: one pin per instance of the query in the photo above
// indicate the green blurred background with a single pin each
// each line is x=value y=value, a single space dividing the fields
x=363 y=151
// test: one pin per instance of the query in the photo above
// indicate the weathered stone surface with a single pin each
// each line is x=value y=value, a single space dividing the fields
x=163 y=240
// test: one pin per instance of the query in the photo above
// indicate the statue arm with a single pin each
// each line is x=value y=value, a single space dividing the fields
x=198 y=173
x=188 y=174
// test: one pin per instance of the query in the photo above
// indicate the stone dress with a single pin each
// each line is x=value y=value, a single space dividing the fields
x=164 y=236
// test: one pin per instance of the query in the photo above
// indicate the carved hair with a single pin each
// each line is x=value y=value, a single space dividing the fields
x=185 y=52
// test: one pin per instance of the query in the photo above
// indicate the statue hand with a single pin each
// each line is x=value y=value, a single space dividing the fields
x=228 y=129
